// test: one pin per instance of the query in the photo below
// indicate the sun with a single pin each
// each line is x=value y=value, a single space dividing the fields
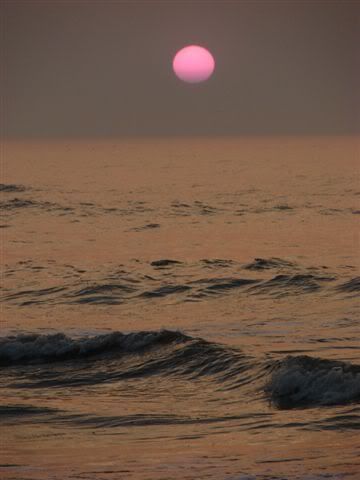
x=193 y=64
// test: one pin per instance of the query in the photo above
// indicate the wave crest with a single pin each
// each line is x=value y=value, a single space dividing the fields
x=305 y=381
x=38 y=348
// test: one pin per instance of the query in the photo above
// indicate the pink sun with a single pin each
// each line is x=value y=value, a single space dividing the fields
x=193 y=64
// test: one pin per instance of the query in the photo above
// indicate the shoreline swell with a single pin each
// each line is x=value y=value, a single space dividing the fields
x=291 y=382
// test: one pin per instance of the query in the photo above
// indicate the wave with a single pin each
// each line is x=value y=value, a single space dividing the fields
x=11 y=413
x=175 y=208
x=217 y=263
x=293 y=382
x=11 y=188
x=352 y=285
x=282 y=285
x=182 y=281
x=108 y=294
x=266 y=264
x=221 y=284
x=164 y=262
x=306 y=381
x=16 y=204
x=7 y=411
x=148 y=226
x=165 y=290
x=40 y=348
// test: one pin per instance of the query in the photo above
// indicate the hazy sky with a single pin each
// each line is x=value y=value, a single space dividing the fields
x=103 y=68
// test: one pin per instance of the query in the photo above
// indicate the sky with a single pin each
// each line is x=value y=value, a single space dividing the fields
x=75 y=69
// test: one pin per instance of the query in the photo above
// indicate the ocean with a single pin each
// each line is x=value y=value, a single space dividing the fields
x=180 y=308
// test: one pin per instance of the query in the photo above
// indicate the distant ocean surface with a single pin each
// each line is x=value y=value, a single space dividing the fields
x=181 y=308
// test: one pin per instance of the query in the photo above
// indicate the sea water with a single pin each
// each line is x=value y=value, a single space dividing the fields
x=180 y=308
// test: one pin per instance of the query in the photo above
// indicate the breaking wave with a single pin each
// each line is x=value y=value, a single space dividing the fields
x=293 y=382
x=38 y=348
x=305 y=381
